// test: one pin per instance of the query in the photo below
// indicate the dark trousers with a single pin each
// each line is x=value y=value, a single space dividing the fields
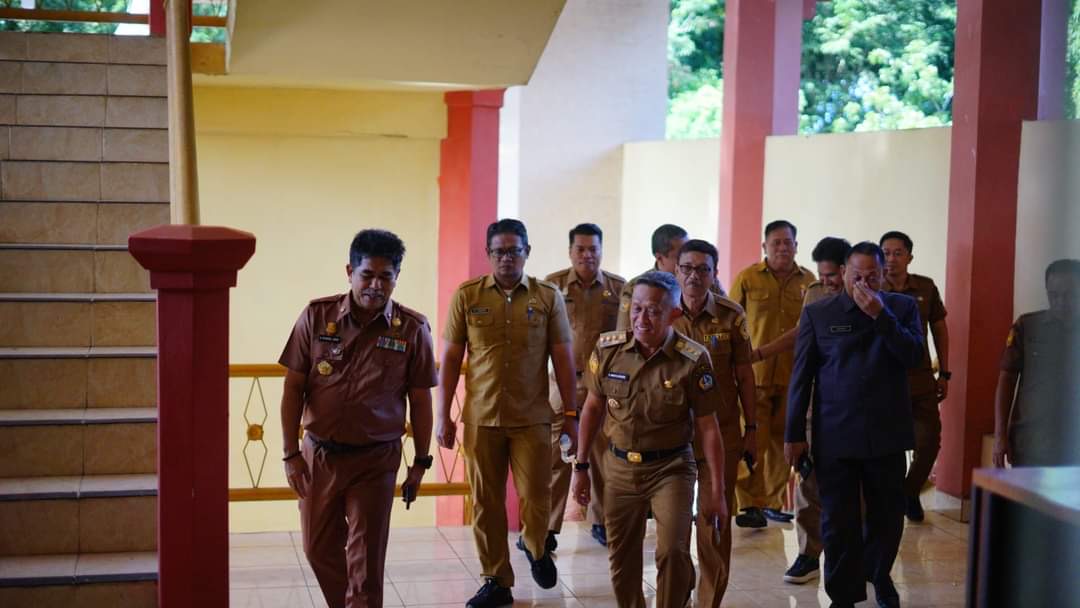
x=857 y=551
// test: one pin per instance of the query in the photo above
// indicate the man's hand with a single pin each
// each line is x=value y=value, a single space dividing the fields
x=580 y=488
x=298 y=476
x=794 y=451
x=446 y=433
x=750 y=443
x=868 y=300
x=716 y=509
x=410 y=488
x=942 y=389
x=1001 y=452
x=570 y=427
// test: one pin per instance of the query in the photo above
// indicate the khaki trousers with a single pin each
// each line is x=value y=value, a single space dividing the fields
x=714 y=546
x=927 y=417
x=765 y=487
x=667 y=487
x=345 y=520
x=562 y=473
x=490 y=454
x=808 y=509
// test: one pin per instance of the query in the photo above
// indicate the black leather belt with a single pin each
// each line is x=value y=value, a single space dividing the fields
x=647 y=455
x=332 y=447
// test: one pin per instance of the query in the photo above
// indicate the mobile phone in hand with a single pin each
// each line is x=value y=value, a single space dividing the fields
x=408 y=494
x=805 y=466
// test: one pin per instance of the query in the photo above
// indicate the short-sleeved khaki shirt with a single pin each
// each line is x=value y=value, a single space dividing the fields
x=509 y=340
x=651 y=403
x=721 y=328
x=815 y=291
x=772 y=308
x=358 y=374
x=627 y=295
x=592 y=309
x=931 y=310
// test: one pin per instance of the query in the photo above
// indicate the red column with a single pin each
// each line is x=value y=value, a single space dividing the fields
x=157 y=18
x=468 y=202
x=996 y=89
x=762 y=53
x=192 y=269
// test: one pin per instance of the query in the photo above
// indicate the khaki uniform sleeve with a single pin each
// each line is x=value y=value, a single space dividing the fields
x=1012 y=360
x=591 y=377
x=738 y=291
x=456 y=330
x=421 y=370
x=741 y=348
x=937 y=307
x=625 y=295
x=558 y=322
x=297 y=353
x=702 y=394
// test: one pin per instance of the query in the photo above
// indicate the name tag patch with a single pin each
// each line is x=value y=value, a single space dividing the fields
x=394 y=344
x=619 y=376
x=839 y=329
x=479 y=310
x=332 y=339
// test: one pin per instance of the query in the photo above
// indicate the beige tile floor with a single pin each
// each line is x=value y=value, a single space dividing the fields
x=438 y=567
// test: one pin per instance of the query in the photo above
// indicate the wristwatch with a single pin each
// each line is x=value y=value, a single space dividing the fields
x=581 y=466
x=424 y=461
x=944 y=375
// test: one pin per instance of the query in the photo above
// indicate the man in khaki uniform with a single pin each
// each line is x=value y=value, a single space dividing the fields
x=829 y=254
x=352 y=360
x=771 y=292
x=651 y=389
x=720 y=325
x=592 y=304
x=926 y=391
x=511 y=324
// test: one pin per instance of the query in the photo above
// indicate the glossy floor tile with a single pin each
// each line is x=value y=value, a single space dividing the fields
x=434 y=567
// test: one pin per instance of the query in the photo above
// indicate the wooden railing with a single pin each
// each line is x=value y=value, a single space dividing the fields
x=37 y=14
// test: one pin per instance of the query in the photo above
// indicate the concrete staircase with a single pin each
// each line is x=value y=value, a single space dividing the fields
x=83 y=163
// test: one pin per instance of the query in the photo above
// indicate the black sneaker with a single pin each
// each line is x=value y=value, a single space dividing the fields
x=914 y=510
x=804 y=570
x=599 y=534
x=543 y=570
x=751 y=517
x=491 y=595
x=550 y=545
x=778 y=515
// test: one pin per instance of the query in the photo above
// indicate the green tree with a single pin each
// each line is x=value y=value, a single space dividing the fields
x=1072 y=77
x=110 y=6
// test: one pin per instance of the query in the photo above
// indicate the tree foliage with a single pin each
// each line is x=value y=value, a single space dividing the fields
x=1072 y=77
x=111 y=6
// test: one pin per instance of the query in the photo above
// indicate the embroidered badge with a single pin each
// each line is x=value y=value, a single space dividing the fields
x=839 y=329
x=594 y=363
x=394 y=344
x=331 y=328
x=706 y=382
x=619 y=376
x=1011 y=339
x=613 y=404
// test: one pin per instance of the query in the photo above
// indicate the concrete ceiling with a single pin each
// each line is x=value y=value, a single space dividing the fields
x=386 y=44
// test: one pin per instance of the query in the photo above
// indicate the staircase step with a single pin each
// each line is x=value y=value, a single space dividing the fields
x=70 y=268
x=67 y=223
x=75 y=568
x=65 y=378
x=91 y=514
x=51 y=323
x=95 y=441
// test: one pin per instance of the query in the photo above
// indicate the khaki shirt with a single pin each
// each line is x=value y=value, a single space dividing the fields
x=771 y=308
x=627 y=294
x=358 y=375
x=509 y=339
x=721 y=328
x=931 y=310
x=651 y=403
x=815 y=291
x=592 y=309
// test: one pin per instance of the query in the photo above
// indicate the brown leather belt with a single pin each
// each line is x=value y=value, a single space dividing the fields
x=647 y=455
x=332 y=447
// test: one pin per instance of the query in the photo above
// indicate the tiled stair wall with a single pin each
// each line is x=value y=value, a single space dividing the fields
x=83 y=163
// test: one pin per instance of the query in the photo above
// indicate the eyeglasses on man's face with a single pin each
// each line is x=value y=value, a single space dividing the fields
x=507 y=252
x=688 y=269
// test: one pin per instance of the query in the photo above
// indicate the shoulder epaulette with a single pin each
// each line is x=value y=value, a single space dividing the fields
x=688 y=348
x=412 y=314
x=727 y=302
x=612 y=338
x=558 y=274
x=326 y=299
x=612 y=276
x=472 y=281
x=548 y=284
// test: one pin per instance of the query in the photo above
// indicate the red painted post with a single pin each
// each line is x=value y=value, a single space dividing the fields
x=996 y=88
x=192 y=269
x=157 y=18
x=468 y=202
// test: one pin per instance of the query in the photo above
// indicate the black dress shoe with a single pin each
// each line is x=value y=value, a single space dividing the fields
x=491 y=595
x=913 y=509
x=543 y=570
x=751 y=517
x=599 y=534
x=778 y=515
x=550 y=545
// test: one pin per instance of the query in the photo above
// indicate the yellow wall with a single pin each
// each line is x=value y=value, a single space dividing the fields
x=1048 y=211
x=304 y=171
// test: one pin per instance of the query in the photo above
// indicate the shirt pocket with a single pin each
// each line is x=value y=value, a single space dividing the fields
x=617 y=396
x=666 y=405
x=481 y=326
x=757 y=299
x=391 y=367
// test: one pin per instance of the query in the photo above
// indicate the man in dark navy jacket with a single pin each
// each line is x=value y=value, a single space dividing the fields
x=851 y=358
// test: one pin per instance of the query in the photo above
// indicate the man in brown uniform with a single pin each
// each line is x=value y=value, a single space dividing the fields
x=771 y=292
x=352 y=359
x=592 y=303
x=720 y=325
x=926 y=392
x=510 y=323
x=1039 y=424
x=651 y=389
x=829 y=254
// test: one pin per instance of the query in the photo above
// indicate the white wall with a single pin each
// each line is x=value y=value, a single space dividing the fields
x=601 y=82
x=1048 y=210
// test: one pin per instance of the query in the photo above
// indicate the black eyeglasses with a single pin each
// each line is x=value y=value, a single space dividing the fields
x=509 y=252
x=701 y=271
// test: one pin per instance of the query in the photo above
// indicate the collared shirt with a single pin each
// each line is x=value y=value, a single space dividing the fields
x=509 y=339
x=931 y=310
x=815 y=291
x=651 y=403
x=772 y=307
x=627 y=294
x=592 y=309
x=358 y=373
x=721 y=328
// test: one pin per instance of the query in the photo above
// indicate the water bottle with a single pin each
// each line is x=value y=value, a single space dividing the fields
x=564 y=447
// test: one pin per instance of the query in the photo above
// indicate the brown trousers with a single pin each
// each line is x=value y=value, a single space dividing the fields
x=927 y=417
x=492 y=452
x=714 y=546
x=562 y=473
x=667 y=487
x=765 y=487
x=346 y=521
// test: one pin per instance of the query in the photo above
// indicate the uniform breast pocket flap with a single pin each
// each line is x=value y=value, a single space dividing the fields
x=480 y=316
x=615 y=387
x=666 y=404
x=758 y=294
